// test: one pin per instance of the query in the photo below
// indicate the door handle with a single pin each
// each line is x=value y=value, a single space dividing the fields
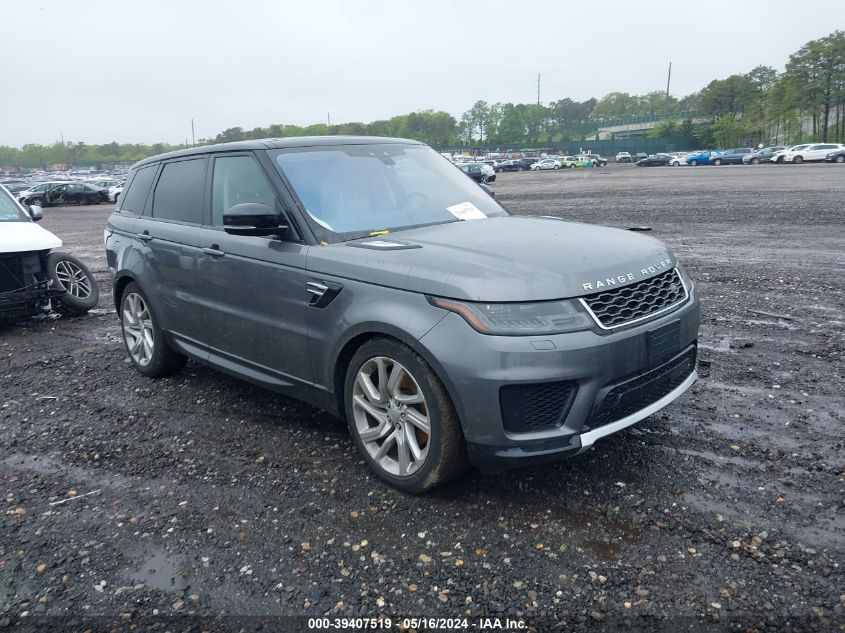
x=213 y=250
x=144 y=237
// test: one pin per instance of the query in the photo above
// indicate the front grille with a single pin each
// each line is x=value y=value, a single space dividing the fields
x=626 y=304
x=638 y=393
x=535 y=407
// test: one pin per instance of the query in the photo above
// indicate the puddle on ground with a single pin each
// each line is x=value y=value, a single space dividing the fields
x=160 y=571
x=617 y=536
x=47 y=465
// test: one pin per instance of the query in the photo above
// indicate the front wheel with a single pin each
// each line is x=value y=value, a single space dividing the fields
x=694 y=163
x=72 y=276
x=755 y=161
x=798 y=160
x=144 y=339
x=401 y=417
x=840 y=159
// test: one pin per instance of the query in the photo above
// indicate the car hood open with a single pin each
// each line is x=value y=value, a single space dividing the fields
x=498 y=259
x=19 y=237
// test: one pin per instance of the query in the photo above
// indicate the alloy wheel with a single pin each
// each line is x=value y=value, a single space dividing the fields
x=391 y=416
x=138 y=329
x=73 y=279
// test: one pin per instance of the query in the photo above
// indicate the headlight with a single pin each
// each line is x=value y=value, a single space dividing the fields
x=519 y=319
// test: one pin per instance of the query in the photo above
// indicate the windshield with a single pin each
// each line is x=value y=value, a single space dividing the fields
x=9 y=209
x=352 y=191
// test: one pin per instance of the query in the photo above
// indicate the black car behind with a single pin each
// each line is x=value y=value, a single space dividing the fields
x=68 y=193
x=654 y=160
x=761 y=155
x=512 y=165
x=836 y=157
x=732 y=156
x=474 y=171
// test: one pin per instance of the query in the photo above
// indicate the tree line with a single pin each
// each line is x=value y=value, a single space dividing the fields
x=805 y=102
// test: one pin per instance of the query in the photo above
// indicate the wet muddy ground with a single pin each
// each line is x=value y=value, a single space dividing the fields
x=201 y=494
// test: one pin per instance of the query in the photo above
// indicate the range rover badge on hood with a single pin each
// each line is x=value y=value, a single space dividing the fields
x=618 y=280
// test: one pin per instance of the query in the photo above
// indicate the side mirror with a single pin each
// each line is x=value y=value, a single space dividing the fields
x=253 y=218
x=35 y=212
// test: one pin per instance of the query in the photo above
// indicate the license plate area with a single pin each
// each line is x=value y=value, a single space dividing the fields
x=664 y=342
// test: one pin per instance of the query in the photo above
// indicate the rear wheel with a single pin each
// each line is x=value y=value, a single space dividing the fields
x=401 y=417
x=556 y=167
x=71 y=275
x=144 y=339
x=718 y=161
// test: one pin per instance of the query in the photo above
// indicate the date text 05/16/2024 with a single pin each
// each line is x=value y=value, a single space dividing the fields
x=405 y=624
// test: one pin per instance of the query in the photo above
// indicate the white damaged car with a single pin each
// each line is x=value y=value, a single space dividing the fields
x=34 y=276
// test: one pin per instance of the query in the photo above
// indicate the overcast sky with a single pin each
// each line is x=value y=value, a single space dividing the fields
x=138 y=71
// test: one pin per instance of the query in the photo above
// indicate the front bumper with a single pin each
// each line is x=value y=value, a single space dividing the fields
x=18 y=304
x=595 y=367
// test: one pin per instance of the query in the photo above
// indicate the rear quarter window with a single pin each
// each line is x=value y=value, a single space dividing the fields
x=134 y=198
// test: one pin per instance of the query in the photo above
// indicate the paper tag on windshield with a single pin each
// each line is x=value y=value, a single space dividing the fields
x=466 y=211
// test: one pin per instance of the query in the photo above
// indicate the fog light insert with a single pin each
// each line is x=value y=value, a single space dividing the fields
x=529 y=408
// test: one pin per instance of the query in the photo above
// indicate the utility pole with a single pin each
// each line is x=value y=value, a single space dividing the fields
x=538 y=88
x=668 y=79
x=329 y=119
x=193 y=137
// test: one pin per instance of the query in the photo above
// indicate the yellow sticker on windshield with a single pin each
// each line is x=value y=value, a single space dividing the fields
x=466 y=211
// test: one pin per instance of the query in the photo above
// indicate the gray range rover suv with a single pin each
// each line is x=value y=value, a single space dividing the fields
x=369 y=277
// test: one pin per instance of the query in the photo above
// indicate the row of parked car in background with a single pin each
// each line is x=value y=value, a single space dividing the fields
x=485 y=169
x=66 y=190
x=797 y=154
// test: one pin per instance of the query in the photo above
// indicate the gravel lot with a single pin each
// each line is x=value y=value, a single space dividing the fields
x=208 y=496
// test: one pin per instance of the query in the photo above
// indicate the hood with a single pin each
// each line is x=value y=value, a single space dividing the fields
x=18 y=237
x=498 y=259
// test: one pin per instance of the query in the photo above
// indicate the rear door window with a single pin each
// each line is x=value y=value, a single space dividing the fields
x=179 y=193
x=134 y=198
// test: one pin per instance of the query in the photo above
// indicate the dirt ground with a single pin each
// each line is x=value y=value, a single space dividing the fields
x=203 y=495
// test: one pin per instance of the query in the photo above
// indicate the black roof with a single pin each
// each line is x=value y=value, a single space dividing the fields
x=279 y=143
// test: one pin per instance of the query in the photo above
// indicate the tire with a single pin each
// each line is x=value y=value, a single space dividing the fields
x=840 y=159
x=755 y=161
x=159 y=358
x=38 y=201
x=694 y=163
x=798 y=160
x=717 y=161
x=556 y=167
x=70 y=274
x=443 y=455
